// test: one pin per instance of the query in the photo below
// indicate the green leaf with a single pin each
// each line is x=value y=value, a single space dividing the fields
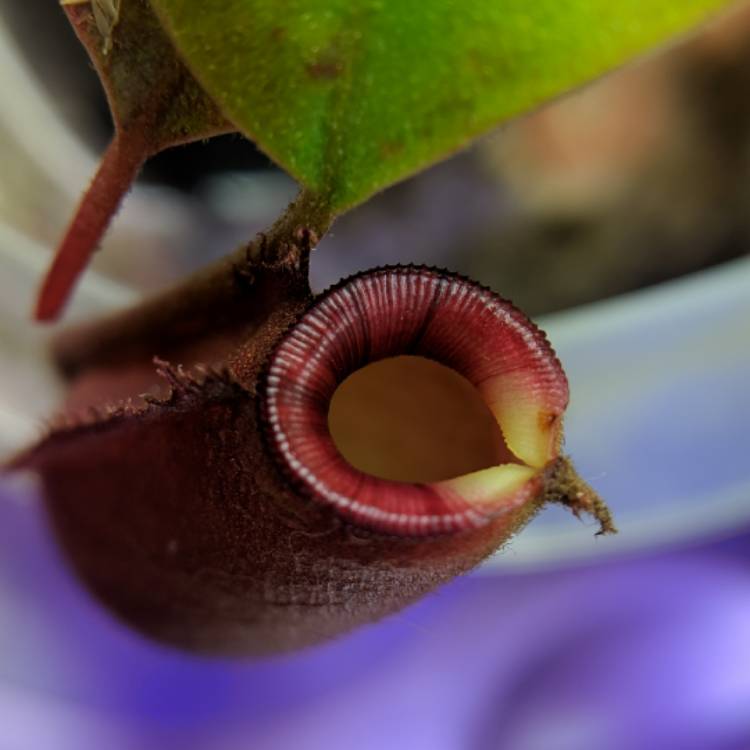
x=352 y=95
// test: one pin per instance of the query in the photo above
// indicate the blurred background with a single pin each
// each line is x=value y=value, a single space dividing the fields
x=618 y=216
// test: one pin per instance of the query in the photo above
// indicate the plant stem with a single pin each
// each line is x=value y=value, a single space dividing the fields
x=221 y=300
x=118 y=169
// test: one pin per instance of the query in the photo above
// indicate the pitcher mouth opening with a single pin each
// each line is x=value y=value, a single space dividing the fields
x=439 y=320
x=411 y=419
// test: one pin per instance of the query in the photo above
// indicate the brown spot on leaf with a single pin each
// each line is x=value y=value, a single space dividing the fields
x=325 y=69
x=390 y=149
